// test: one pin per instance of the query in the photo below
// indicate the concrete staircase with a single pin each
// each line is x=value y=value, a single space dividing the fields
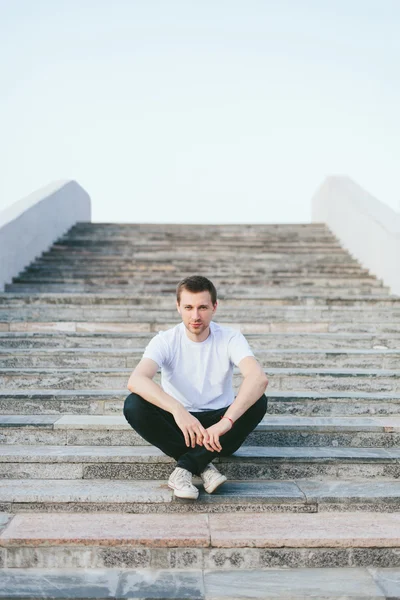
x=316 y=488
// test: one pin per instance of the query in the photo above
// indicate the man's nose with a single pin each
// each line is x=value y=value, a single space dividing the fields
x=195 y=314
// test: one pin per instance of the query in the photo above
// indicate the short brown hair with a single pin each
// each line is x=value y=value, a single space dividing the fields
x=195 y=284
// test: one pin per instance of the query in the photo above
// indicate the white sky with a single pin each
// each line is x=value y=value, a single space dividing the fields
x=207 y=111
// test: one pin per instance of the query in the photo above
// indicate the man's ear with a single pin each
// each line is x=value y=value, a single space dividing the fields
x=178 y=308
x=215 y=306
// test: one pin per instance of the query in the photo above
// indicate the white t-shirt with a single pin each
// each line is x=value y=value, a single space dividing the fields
x=198 y=374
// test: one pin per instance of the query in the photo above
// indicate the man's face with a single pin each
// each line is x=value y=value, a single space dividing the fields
x=196 y=310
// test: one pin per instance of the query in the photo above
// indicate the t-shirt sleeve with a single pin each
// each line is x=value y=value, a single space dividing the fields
x=157 y=349
x=238 y=348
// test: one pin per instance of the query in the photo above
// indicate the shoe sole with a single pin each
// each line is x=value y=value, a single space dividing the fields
x=211 y=488
x=181 y=494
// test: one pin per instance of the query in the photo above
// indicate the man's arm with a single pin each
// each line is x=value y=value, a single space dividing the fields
x=253 y=386
x=141 y=383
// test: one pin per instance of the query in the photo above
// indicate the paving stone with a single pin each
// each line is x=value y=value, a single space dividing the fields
x=350 y=492
x=313 y=530
x=49 y=583
x=32 y=490
x=388 y=581
x=110 y=530
x=5 y=518
x=293 y=584
x=162 y=584
x=27 y=420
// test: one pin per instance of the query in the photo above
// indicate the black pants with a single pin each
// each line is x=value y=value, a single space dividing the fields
x=158 y=427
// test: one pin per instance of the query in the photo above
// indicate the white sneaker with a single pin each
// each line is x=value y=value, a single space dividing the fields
x=180 y=481
x=212 y=478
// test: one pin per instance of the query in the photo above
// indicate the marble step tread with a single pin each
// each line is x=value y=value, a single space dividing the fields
x=326 y=380
x=249 y=321
x=130 y=357
x=151 y=455
x=201 y=584
x=270 y=423
x=229 y=530
x=135 y=341
x=310 y=495
x=15 y=299
x=239 y=319
x=300 y=327
x=289 y=281
x=225 y=312
x=223 y=290
x=222 y=267
x=53 y=299
x=395 y=373
x=139 y=349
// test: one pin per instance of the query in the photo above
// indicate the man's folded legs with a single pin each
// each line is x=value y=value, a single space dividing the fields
x=158 y=427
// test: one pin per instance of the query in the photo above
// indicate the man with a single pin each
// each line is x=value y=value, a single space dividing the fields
x=194 y=417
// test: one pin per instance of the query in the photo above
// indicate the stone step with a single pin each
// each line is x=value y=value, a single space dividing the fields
x=159 y=302
x=112 y=271
x=149 y=279
x=110 y=402
x=151 y=259
x=223 y=290
x=146 y=496
x=113 y=430
x=210 y=541
x=147 y=462
x=220 y=264
x=380 y=328
x=127 y=266
x=362 y=380
x=165 y=301
x=137 y=341
x=196 y=584
x=193 y=240
x=260 y=315
x=196 y=243
x=129 y=357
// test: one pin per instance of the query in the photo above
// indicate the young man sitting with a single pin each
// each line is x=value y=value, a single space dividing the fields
x=193 y=416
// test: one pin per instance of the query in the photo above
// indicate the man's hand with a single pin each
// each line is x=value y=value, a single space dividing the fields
x=213 y=433
x=191 y=427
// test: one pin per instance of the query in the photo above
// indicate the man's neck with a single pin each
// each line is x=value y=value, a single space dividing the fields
x=198 y=338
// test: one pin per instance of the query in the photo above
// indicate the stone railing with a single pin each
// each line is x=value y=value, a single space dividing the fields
x=366 y=227
x=31 y=225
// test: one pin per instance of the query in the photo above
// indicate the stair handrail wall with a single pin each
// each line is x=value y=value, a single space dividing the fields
x=31 y=225
x=366 y=227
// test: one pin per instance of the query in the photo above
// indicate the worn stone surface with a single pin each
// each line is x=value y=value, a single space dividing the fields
x=296 y=530
x=109 y=530
x=388 y=581
x=53 y=491
x=273 y=584
x=351 y=491
x=49 y=583
x=172 y=584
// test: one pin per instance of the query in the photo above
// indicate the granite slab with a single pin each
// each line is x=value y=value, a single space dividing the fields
x=292 y=584
x=387 y=580
x=45 y=421
x=334 y=530
x=107 y=529
x=327 y=491
x=79 y=490
x=161 y=584
x=59 y=583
